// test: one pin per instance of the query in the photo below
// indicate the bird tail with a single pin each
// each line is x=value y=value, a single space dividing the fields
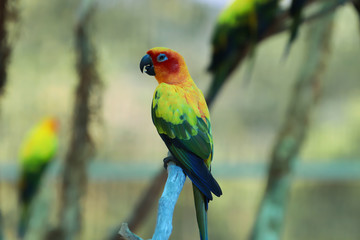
x=23 y=221
x=28 y=186
x=201 y=215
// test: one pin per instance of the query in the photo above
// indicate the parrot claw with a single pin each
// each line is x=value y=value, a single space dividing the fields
x=167 y=160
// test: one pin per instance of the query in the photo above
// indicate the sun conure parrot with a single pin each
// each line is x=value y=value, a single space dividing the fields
x=37 y=150
x=295 y=11
x=181 y=117
x=238 y=28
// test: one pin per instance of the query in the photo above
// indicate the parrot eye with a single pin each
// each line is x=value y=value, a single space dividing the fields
x=161 y=57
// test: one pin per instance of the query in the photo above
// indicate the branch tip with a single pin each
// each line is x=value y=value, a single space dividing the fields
x=126 y=234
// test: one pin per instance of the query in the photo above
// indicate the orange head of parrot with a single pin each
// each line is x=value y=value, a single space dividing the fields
x=51 y=123
x=166 y=65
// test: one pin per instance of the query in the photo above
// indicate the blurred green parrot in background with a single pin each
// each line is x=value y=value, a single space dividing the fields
x=239 y=27
x=182 y=119
x=37 y=150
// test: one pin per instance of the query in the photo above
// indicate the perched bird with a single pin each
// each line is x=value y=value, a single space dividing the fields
x=238 y=28
x=37 y=150
x=181 y=117
x=295 y=11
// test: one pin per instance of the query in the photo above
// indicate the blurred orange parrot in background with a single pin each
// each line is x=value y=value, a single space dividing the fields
x=37 y=150
x=181 y=117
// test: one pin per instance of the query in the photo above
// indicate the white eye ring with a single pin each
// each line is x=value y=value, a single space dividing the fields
x=161 y=57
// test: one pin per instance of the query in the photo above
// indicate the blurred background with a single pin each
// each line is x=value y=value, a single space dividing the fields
x=245 y=118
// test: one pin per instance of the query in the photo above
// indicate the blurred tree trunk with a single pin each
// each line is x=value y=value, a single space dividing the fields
x=8 y=12
x=270 y=217
x=80 y=147
x=4 y=45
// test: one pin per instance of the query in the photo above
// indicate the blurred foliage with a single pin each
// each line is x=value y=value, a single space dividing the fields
x=42 y=80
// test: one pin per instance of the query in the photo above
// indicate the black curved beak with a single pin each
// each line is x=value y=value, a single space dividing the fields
x=148 y=64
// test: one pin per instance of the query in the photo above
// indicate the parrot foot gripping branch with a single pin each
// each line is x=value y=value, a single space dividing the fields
x=174 y=184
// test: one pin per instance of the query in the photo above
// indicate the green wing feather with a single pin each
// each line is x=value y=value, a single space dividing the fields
x=192 y=138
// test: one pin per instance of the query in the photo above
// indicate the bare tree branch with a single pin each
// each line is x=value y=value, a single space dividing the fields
x=8 y=12
x=174 y=184
x=126 y=234
x=144 y=205
x=80 y=146
x=4 y=45
x=270 y=217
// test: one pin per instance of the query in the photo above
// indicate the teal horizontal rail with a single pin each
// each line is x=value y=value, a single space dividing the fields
x=117 y=171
